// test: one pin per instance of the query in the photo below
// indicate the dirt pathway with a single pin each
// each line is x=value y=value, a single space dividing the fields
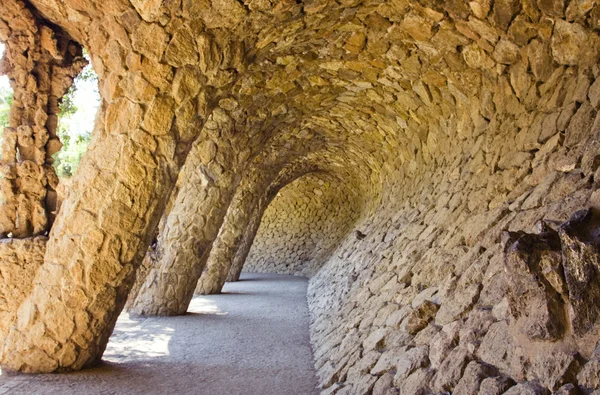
x=253 y=339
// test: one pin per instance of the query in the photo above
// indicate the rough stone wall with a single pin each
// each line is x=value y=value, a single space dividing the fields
x=303 y=225
x=41 y=61
x=460 y=119
x=424 y=303
x=19 y=261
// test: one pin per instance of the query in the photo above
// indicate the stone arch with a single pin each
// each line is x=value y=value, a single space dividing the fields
x=41 y=61
x=303 y=225
x=465 y=118
x=244 y=216
x=169 y=286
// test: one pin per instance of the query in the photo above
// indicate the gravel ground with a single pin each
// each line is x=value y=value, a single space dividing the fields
x=252 y=339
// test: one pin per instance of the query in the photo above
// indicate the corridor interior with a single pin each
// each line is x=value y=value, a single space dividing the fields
x=251 y=339
x=414 y=184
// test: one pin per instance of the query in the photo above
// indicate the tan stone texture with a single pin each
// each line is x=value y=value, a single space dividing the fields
x=451 y=122
x=19 y=261
x=41 y=62
x=303 y=225
x=265 y=175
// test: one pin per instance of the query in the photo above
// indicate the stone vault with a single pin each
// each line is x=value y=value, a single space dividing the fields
x=432 y=165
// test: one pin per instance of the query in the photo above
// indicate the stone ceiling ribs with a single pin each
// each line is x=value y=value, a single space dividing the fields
x=443 y=122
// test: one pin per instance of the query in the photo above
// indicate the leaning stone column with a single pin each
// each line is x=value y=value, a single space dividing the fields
x=227 y=243
x=237 y=264
x=245 y=213
x=220 y=268
x=183 y=247
x=245 y=245
x=103 y=230
x=41 y=62
x=151 y=257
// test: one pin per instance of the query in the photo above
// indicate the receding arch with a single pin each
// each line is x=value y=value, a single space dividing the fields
x=304 y=224
x=459 y=119
x=236 y=236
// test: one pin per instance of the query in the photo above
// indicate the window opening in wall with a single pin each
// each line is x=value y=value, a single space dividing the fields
x=76 y=121
x=6 y=97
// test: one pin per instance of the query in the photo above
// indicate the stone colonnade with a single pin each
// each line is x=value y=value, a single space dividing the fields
x=41 y=62
x=454 y=121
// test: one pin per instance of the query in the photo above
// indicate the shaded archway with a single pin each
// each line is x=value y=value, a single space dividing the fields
x=236 y=236
x=41 y=63
x=304 y=224
x=469 y=118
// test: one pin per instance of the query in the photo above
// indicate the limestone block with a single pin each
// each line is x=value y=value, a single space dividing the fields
x=418 y=318
x=495 y=385
x=580 y=249
x=534 y=267
x=527 y=388
x=568 y=42
x=589 y=376
x=474 y=374
x=556 y=368
x=451 y=370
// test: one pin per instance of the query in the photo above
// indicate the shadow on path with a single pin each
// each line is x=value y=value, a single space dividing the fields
x=253 y=339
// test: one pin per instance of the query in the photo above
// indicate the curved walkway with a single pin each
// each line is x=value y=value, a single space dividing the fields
x=252 y=339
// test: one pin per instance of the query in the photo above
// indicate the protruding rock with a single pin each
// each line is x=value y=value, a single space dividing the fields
x=472 y=377
x=556 y=368
x=580 y=238
x=495 y=385
x=527 y=388
x=533 y=264
x=589 y=376
x=420 y=317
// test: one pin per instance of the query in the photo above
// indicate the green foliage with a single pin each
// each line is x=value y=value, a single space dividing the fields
x=88 y=74
x=74 y=130
x=67 y=159
x=67 y=104
x=6 y=97
x=75 y=137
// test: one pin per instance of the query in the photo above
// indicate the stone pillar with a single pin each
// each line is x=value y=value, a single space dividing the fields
x=245 y=245
x=237 y=264
x=208 y=184
x=94 y=249
x=143 y=131
x=41 y=62
x=227 y=243
x=151 y=257
x=245 y=213
x=184 y=246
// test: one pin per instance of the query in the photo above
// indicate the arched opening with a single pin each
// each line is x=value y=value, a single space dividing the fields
x=303 y=225
x=78 y=108
x=39 y=107
x=75 y=123
x=470 y=118
x=6 y=97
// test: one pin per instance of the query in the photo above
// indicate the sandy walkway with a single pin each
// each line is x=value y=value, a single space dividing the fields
x=253 y=339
